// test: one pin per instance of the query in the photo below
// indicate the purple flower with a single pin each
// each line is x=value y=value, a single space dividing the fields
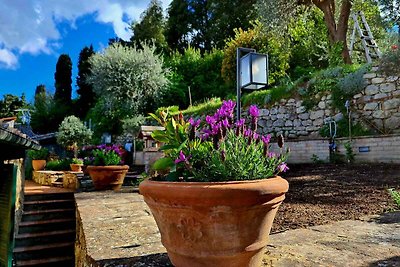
x=266 y=139
x=271 y=155
x=240 y=123
x=225 y=123
x=194 y=123
x=210 y=120
x=215 y=129
x=253 y=110
x=247 y=132
x=282 y=167
x=256 y=136
x=182 y=158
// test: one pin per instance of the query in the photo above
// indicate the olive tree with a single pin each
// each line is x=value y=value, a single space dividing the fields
x=127 y=79
x=72 y=133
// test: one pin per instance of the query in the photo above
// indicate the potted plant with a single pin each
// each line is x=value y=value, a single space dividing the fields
x=39 y=158
x=106 y=167
x=215 y=193
x=72 y=134
x=76 y=165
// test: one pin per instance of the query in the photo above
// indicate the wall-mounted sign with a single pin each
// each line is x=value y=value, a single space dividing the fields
x=363 y=149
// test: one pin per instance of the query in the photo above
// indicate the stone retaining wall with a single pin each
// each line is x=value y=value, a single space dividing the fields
x=382 y=149
x=376 y=107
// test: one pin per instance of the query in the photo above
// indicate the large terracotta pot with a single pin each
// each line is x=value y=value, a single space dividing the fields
x=107 y=177
x=38 y=164
x=215 y=224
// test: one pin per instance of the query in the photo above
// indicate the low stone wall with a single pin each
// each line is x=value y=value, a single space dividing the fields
x=382 y=149
x=377 y=107
x=69 y=179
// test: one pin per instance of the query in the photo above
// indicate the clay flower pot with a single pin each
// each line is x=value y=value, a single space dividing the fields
x=76 y=167
x=38 y=164
x=107 y=177
x=215 y=224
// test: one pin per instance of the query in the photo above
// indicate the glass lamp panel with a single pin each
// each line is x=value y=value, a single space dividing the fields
x=245 y=70
x=259 y=68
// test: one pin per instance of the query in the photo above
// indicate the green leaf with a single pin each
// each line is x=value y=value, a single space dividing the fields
x=172 y=177
x=154 y=116
x=160 y=135
x=168 y=146
x=163 y=164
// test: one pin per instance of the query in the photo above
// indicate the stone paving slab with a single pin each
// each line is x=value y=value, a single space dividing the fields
x=120 y=231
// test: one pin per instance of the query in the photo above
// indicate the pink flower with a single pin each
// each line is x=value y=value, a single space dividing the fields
x=266 y=139
x=182 y=158
x=253 y=110
x=194 y=123
x=282 y=167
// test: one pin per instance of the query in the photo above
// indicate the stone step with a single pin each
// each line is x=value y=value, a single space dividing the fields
x=37 y=215
x=35 y=197
x=31 y=239
x=46 y=225
x=66 y=261
x=49 y=204
x=43 y=251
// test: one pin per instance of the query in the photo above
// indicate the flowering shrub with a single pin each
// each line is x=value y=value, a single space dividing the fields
x=217 y=149
x=103 y=155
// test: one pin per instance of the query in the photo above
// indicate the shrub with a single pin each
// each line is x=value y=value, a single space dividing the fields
x=395 y=196
x=43 y=153
x=58 y=165
x=389 y=63
x=349 y=152
x=129 y=80
x=72 y=133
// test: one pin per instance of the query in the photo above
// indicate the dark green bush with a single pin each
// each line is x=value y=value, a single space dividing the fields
x=38 y=154
x=58 y=165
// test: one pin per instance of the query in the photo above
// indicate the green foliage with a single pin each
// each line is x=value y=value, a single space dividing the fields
x=10 y=103
x=224 y=154
x=395 y=196
x=276 y=46
x=357 y=129
x=266 y=97
x=151 y=27
x=132 y=125
x=316 y=160
x=58 y=165
x=103 y=158
x=48 y=114
x=63 y=79
x=200 y=72
x=77 y=161
x=389 y=63
x=206 y=108
x=178 y=25
x=87 y=97
x=72 y=133
x=43 y=153
x=335 y=54
x=349 y=152
x=128 y=81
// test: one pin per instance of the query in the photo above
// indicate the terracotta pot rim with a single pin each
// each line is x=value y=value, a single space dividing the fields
x=273 y=178
x=112 y=167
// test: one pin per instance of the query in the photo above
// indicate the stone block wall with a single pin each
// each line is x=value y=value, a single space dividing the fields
x=377 y=107
x=374 y=149
x=69 y=179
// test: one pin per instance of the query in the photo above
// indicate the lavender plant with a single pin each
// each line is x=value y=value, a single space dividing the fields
x=218 y=149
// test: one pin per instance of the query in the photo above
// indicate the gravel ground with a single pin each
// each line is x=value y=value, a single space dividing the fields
x=320 y=194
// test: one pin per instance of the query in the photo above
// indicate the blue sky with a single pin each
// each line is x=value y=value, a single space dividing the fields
x=34 y=33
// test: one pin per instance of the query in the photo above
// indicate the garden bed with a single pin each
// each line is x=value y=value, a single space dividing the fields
x=323 y=193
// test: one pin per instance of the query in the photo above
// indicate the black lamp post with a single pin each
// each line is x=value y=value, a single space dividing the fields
x=251 y=72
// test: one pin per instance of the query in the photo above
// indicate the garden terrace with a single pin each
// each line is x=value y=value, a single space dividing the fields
x=342 y=203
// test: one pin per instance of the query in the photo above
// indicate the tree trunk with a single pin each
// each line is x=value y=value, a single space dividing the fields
x=337 y=31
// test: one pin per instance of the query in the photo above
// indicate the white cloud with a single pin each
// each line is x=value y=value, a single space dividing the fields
x=7 y=59
x=29 y=26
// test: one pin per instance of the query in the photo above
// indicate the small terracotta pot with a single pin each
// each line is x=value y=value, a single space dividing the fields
x=215 y=224
x=107 y=177
x=76 y=167
x=38 y=164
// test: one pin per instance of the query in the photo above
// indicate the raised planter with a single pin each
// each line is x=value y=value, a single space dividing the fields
x=215 y=224
x=107 y=177
x=38 y=164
